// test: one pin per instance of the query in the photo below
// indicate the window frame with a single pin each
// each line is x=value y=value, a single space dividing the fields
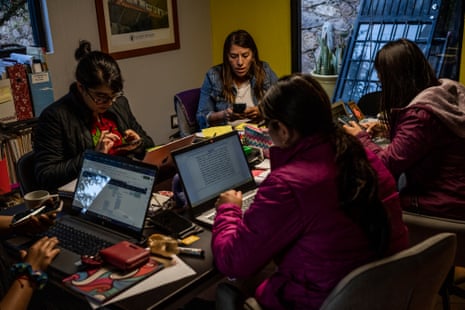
x=38 y=13
x=351 y=87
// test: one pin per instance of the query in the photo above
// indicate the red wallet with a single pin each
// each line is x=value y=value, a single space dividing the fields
x=125 y=255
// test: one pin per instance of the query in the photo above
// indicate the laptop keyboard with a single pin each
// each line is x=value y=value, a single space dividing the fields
x=77 y=241
x=246 y=202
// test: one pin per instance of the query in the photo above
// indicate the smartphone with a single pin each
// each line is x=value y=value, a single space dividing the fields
x=239 y=108
x=344 y=120
x=172 y=223
x=132 y=142
x=48 y=207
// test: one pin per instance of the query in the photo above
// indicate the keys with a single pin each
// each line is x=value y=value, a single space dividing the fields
x=77 y=241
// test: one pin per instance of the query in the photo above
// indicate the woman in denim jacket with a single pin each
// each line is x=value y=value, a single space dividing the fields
x=241 y=78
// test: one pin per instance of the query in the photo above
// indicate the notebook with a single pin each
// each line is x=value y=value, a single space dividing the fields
x=161 y=156
x=210 y=167
x=111 y=200
x=103 y=283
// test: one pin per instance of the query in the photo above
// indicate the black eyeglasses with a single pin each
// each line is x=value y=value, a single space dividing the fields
x=101 y=98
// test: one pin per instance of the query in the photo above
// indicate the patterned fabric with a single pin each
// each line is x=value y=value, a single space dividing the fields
x=20 y=89
x=259 y=138
x=106 y=124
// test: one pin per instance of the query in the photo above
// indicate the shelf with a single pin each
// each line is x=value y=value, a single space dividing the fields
x=18 y=125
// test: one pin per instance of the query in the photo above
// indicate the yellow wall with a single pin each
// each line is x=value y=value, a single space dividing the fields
x=268 y=21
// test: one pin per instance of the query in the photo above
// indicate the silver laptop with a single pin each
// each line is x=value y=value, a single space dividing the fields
x=111 y=200
x=208 y=168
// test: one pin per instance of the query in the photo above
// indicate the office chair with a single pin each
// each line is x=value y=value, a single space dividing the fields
x=409 y=279
x=25 y=173
x=369 y=103
x=185 y=105
x=423 y=226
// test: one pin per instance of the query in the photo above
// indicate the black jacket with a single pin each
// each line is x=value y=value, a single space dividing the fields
x=63 y=133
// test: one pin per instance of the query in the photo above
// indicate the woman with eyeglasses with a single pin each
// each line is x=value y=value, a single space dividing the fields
x=326 y=207
x=93 y=115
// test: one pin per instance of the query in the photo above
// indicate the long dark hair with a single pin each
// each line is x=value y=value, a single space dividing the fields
x=404 y=72
x=243 y=39
x=96 y=68
x=299 y=102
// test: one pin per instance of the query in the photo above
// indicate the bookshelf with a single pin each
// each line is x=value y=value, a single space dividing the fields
x=15 y=140
x=25 y=90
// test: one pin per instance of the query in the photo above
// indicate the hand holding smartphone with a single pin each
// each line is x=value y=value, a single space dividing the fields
x=239 y=108
x=344 y=120
x=47 y=207
x=128 y=143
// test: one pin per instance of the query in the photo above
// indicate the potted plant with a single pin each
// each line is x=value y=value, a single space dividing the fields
x=328 y=58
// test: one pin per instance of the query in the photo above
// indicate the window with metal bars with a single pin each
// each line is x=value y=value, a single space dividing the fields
x=25 y=22
x=435 y=25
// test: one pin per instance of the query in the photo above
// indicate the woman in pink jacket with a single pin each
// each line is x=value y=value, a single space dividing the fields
x=426 y=126
x=326 y=208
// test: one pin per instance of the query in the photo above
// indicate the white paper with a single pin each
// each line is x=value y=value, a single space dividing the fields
x=238 y=122
x=264 y=165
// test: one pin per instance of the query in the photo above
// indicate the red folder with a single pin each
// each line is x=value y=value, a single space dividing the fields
x=5 y=186
x=20 y=89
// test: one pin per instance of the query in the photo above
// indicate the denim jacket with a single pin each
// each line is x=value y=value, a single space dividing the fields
x=211 y=93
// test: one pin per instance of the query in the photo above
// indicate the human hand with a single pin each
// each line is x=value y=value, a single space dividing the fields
x=353 y=128
x=230 y=115
x=36 y=224
x=252 y=113
x=130 y=136
x=106 y=141
x=231 y=196
x=41 y=253
x=375 y=128
x=132 y=141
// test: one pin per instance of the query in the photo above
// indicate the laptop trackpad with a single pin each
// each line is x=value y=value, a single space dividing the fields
x=66 y=262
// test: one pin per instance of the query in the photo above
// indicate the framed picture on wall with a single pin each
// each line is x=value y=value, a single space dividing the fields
x=129 y=28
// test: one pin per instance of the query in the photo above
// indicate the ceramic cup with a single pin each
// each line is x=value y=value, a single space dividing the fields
x=35 y=198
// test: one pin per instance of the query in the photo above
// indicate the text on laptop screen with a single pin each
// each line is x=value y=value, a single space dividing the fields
x=114 y=190
x=213 y=168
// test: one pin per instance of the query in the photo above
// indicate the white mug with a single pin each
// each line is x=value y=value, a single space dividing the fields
x=36 y=198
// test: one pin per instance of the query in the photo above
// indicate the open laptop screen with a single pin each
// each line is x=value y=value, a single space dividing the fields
x=114 y=191
x=211 y=167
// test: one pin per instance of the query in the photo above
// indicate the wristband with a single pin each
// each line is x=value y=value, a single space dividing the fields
x=25 y=269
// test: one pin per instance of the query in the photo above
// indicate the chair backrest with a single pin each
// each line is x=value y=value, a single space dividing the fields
x=410 y=279
x=423 y=226
x=185 y=105
x=370 y=103
x=25 y=173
